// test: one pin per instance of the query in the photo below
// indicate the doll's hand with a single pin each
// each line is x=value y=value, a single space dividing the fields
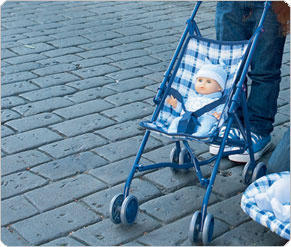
x=172 y=101
x=217 y=115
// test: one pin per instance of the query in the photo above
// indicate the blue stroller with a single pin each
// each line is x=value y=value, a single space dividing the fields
x=191 y=52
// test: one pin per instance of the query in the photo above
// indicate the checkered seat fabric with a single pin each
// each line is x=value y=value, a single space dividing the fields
x=198 y=50
x=265 y=218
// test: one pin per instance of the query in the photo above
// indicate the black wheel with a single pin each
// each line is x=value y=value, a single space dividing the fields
x=174 y=158
x=259 y=171
x=208 y=228
x=193 y=234
x=129 y=210
x=184 y=157
x=247 y=173
x=115 y=207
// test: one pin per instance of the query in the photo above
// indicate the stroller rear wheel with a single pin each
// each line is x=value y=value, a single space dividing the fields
x=259 y=171
x=193 y=234
x=180 y=158
x=208 y=228
x=115 y=207
x=129 y=210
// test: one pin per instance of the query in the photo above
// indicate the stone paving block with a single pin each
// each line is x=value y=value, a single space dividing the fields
x=107 y=233
x=129 y=73
x=95 y=71
x=18 y=183
x=228 y=186
x=121 y=131
x=129 y=112
x=99 y=44
x=136 y=62
x=100 y=201
x=229 y=211
x=92 y=62
x=62 y=51
x=91 y=82
x=7 y=54
x=123 y=149
x=126 y=55
x=9 y=102
x=285 y=83
x=68 y=42
x=130 y=97
x=121 y=170
x=81 y=125
x=7 y=115
x=32 y=48
x=38 y=39
x=130 y=84
x=90 y=94
x=11 y=238
x=285 y=69
x=28 y=140
x=167 y=181
x=16 y=88
x=20 y=68
x=157 y=77
x=5 y=131
x=176 y=233
x=177 y=204
x=15 y=77
x=98 y=53
x=73 y=145
x=250 y=233
x=21 y=161
x=42 y=106
x=34 y=122
x=64 y=191
x=64 y=241
x=133 y=46
x=106 y=35
x=15 y=209
x=49 y=92
x=69 y=166
x=281 y=118
x=57 y=79
x=59 y=68
x=55 y=223
x=84 y=108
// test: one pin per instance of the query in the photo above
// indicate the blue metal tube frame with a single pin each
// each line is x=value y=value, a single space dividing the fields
x=160 y=92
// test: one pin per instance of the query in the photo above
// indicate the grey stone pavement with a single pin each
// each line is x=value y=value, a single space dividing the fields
x=77 y=78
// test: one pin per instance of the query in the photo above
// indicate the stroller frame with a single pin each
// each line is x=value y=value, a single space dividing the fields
x=124 y=207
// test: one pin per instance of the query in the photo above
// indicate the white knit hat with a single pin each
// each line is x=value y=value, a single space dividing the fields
x=215 y=72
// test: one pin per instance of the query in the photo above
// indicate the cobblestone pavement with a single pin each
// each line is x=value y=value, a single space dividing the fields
x=77 y=78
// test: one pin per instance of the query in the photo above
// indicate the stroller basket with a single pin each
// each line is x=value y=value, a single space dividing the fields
x=189 y=57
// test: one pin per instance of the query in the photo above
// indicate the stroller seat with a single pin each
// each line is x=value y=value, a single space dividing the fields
x=198 y=49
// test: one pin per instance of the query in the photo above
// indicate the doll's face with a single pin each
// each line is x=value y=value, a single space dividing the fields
x=206 y=85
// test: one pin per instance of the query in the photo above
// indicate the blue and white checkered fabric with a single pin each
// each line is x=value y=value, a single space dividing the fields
x=197 y=51
x=265 y=218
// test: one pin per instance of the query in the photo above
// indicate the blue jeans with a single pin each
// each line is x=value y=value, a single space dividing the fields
x=280 y=158
x=238 y=21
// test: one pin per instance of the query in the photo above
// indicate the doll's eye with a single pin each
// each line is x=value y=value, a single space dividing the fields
x=200 y=80
x=208 y=81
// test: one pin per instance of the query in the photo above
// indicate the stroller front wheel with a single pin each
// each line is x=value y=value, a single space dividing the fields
x=208 y=228
x=129 y=210
x=194 y=228
x=247 y=173
x=115 y=207
x=174 y=158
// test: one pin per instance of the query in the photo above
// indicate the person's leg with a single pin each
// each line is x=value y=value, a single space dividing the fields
x=280 y=158
x=265 y=72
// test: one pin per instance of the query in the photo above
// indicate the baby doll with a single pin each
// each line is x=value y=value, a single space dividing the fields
x=276 y=199
x=209 y=85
